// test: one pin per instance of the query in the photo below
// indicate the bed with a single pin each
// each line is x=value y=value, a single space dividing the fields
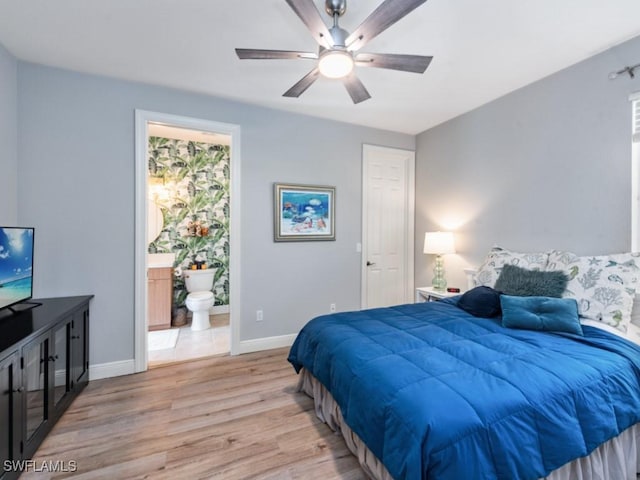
x=431 y=391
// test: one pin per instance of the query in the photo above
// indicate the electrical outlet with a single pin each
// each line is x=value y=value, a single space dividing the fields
x=332 y=307
x=259 y=315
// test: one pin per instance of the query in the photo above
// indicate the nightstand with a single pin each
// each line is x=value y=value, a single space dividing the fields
x=429 y=294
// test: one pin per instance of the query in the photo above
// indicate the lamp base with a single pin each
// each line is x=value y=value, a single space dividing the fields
x=439 y=282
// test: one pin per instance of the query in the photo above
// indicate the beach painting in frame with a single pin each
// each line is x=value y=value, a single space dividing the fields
x=304 y=212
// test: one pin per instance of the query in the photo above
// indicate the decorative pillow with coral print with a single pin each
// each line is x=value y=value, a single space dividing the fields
x=497 y=257
x=603 y=286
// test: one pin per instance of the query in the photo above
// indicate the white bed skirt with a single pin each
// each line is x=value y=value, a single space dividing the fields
x=617 y=459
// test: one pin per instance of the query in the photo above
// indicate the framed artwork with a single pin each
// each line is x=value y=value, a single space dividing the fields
x=303 y=213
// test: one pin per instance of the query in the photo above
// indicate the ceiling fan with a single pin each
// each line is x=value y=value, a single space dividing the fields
x=338 y=49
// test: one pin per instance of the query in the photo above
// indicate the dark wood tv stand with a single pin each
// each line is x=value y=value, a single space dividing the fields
x=44 y=365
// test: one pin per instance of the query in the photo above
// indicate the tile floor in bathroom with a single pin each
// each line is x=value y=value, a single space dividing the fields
x=191 y=345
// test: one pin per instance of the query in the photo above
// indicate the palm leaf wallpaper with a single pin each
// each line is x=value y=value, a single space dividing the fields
x=195 y=183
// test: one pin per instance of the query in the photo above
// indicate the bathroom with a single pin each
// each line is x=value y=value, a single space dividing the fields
x=188 y=206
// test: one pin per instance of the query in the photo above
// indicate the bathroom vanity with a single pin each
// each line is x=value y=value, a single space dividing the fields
x=160 y=294
x=44 y=365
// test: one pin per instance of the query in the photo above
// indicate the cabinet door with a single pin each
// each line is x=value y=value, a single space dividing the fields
x=160 y=297
x=35 y=380
x=61 y=362
x=10 y=412
x=80 y=347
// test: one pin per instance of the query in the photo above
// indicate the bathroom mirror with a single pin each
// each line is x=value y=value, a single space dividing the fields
x=155 y=221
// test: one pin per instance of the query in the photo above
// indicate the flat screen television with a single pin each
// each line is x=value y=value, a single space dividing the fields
x=16 y=265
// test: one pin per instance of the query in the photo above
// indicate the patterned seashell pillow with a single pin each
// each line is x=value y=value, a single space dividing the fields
x=497 y=257
x=604 y=286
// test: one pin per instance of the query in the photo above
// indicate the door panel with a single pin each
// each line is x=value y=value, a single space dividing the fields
x=388 y=197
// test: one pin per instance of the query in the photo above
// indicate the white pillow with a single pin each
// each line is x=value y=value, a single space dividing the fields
x=633 y=333
x=498 y=257
x=604 y=286
x=635 y=311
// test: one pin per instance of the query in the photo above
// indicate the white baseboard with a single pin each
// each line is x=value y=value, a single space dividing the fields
x=127 y=367
x=219 y=309
x=111 y=369
x=215 y=310
x=268 y=343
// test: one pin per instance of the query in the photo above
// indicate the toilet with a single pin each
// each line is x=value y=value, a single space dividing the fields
x=200 y=299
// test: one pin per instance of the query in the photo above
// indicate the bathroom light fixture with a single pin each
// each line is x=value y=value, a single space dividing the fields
x=439 y=243
x=628 y=70
x=335 y=63
x=158 y=190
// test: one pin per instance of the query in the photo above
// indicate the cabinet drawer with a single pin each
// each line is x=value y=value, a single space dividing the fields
x=160 y=273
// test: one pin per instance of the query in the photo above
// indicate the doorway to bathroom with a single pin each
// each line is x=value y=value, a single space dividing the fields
x=187 y=173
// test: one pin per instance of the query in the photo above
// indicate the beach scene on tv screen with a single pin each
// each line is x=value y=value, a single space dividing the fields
x=16 y=255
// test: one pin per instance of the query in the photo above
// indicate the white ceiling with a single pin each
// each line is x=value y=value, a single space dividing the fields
x=482 y=49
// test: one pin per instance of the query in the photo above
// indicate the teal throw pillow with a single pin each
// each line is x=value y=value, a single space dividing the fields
x=541 y=313
x=534 y=283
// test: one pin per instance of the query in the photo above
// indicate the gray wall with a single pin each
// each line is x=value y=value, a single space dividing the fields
x=547 y=166
x=8 y=138
x=76 y=186
x=544 y=167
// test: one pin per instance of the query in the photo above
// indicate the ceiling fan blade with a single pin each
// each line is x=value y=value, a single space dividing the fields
x=252 y=53
x=308 y=13
x=302 y=85
x=355 y=88
x=404 y=63
x=388 y=13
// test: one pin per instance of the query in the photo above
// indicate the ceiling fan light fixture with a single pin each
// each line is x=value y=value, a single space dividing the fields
x=336 y=64
x=338 y=50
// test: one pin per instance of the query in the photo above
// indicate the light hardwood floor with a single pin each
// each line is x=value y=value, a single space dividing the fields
x=218 y=418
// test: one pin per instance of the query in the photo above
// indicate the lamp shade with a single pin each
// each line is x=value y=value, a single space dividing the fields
x=439 y=243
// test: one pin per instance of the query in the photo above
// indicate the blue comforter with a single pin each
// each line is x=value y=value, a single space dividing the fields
x=436 y=393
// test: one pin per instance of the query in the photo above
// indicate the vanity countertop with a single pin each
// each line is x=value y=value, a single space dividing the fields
x=160 y=260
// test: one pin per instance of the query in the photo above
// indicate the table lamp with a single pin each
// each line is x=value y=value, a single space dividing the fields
x=439 y=243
